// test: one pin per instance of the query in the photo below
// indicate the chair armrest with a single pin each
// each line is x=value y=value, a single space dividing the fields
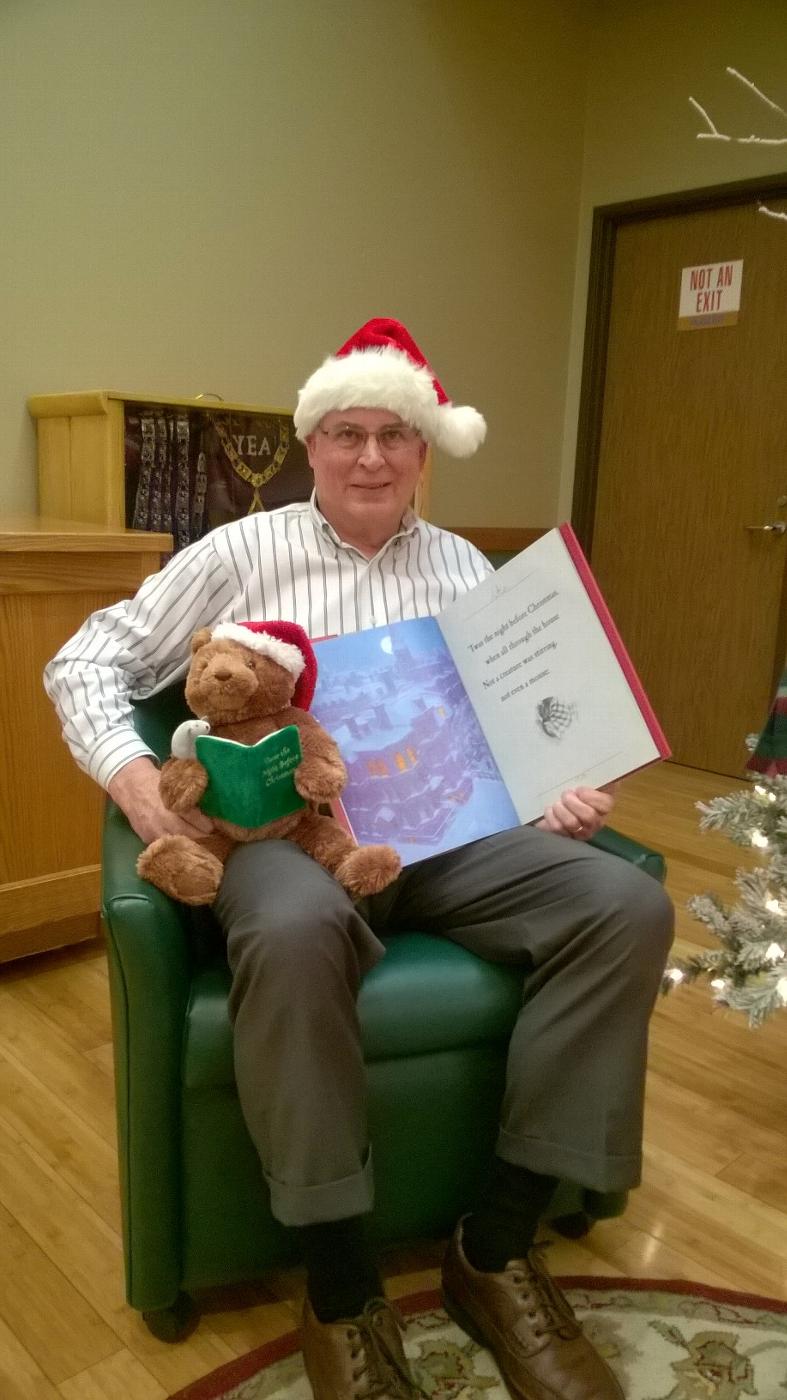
x=653 y=862
x=150 y=967
x=124 y=893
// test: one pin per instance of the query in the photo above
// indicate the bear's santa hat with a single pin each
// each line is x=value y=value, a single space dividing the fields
x=284 y=642
x=381 y=366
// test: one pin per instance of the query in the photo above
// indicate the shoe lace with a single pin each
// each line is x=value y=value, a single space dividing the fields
x=378 y=1363
x=547 y=1307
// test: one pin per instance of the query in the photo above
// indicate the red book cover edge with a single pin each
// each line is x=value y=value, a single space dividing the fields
x=616 y=642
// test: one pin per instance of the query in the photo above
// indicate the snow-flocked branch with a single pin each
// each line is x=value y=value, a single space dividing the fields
x=713 y=133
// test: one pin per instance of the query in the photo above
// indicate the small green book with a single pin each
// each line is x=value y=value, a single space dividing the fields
x=251 y=784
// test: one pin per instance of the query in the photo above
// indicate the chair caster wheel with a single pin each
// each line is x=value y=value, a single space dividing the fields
x=574 y=1226
x=176 y=1323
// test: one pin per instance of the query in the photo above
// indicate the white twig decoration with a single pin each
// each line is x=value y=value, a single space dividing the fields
x=749 y=84
x=713 y=133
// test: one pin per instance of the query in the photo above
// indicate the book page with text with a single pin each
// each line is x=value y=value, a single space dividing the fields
x=552 y=696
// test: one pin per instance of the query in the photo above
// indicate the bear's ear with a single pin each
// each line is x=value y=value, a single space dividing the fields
x=200 y=639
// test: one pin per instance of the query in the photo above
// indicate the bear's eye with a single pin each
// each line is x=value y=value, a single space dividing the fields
x=250 y=664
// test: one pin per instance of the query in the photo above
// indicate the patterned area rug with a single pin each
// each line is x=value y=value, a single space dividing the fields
x=664 y=1340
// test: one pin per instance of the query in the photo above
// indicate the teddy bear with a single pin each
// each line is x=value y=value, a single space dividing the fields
x=245 y=681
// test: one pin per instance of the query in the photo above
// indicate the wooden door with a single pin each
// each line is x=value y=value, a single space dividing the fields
x=693 y=450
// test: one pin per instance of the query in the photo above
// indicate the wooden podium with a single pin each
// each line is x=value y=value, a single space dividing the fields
x=84 y=471
x=53 y=573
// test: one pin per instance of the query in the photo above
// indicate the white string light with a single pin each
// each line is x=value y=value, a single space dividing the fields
x=774 y=953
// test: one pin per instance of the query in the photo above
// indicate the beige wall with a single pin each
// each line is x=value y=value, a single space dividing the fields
x=646 y=59
x=209 y=195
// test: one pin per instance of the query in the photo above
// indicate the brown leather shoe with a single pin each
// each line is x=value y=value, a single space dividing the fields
x=522 y=1317
x=358 y=1358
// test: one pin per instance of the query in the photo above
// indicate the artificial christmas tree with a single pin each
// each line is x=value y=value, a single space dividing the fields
x=748 y=972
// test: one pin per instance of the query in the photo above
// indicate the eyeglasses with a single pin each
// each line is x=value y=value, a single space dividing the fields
x=349 y=439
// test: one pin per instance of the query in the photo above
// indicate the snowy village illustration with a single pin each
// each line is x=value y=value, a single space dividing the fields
x=420 y=773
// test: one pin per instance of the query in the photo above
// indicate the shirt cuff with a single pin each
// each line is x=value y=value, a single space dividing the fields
x=114 y=753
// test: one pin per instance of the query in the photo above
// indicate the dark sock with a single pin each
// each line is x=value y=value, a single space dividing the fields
x=341 y=1273
x=504 y=1224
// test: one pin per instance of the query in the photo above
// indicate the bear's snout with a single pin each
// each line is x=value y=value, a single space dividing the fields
x=232 y=680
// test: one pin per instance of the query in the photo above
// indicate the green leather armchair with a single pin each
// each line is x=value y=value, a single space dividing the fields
x=435 y=1020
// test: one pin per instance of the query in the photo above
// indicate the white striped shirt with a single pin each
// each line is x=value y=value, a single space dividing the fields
x=287 y=563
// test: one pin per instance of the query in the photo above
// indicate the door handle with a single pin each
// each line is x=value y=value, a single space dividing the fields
x=777 y=527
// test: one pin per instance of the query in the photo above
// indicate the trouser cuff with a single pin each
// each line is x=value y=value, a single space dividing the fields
x=331 y=1200
x=607 y=1173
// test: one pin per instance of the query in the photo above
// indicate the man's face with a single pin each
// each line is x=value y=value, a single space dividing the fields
x=366 y=464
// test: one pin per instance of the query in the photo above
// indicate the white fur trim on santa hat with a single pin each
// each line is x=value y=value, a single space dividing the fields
x=460 y=429
x=383 y=377
x=287 y=655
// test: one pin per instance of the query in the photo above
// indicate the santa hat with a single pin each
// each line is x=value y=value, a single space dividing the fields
x=284 y=642
x=381 y=367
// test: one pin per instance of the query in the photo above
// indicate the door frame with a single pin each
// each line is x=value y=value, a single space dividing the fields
x=607 y=219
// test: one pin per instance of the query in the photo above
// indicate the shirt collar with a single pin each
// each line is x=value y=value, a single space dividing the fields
x=408 y=525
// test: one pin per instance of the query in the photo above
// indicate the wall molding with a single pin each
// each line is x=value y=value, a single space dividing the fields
x=502 y=538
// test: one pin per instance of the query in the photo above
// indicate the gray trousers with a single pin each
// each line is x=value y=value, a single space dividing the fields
x=592 y=931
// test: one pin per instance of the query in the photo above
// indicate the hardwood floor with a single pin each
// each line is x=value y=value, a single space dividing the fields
x=712 y=1206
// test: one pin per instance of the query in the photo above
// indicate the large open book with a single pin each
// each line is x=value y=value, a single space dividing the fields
x=457 y=726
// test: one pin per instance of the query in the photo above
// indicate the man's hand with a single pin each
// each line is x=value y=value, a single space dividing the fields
x=136 y=790
x=580 y=812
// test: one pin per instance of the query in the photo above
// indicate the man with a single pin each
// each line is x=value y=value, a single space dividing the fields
x=592 y=930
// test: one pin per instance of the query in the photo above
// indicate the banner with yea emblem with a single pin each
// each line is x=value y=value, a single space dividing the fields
x=191 y=469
